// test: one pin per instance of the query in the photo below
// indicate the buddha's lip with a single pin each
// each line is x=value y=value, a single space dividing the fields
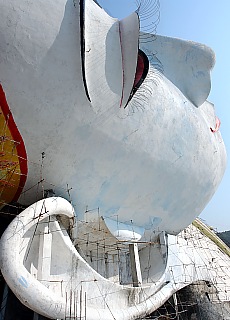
x=217 y=127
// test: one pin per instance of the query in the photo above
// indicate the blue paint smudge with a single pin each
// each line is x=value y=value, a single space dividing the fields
x=153 y=223
x=23 y=282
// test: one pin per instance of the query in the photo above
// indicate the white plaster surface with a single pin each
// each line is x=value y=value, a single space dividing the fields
x=186 y=258
x=147 y=169
x=155 y=163
x=186 y=64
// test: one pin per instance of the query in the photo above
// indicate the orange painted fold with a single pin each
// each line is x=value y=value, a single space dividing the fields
x=13 y=158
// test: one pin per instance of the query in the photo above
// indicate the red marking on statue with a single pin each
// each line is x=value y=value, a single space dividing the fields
x=6 y=183
x=7 y=164
x=218 y=123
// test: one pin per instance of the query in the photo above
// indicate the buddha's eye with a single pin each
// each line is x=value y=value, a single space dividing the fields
x=141 y=72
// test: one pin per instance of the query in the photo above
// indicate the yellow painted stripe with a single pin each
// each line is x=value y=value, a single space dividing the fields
x=9 y=163
x=211 y=235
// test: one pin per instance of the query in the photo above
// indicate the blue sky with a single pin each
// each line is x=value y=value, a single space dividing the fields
x=206 y=22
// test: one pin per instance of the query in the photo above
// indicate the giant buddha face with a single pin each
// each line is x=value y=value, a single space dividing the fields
x=103 y=118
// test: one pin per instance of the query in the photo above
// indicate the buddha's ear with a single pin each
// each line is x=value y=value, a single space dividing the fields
x=109 y=58
x=186 y=64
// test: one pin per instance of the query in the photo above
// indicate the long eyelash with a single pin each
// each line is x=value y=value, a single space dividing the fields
x=149 y=15
x=154 y=61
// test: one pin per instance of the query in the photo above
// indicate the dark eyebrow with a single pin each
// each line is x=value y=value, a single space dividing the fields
x=82 y=39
